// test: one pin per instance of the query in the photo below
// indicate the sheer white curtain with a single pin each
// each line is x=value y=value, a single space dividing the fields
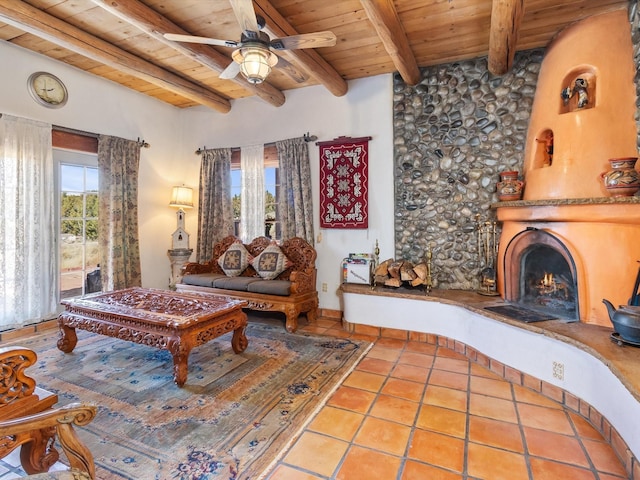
x=252 y=198
x=28 y=270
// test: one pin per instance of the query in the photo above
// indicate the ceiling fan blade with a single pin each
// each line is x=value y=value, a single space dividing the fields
x=290 y=69
x=305 y=40
x=245 y=14
x=230 y=72
x=176 y=37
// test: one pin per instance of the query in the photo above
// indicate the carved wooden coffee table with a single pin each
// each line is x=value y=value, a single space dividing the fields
x=158 y=318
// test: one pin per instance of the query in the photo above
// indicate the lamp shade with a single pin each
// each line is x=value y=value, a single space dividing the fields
x=255 y=63
x=182 y=197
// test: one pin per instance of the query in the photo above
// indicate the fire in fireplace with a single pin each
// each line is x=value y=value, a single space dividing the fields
x=547 y=283
x=541 y=274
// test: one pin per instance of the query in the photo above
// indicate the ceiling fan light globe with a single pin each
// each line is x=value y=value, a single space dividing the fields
x=256 y=64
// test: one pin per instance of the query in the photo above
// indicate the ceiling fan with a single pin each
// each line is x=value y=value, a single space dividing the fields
x=253 y=55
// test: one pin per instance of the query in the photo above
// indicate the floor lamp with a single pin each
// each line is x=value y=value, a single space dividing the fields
x=179 y=254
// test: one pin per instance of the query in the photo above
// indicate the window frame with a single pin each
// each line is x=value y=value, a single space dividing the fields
x=70 y=148
x=271 y=160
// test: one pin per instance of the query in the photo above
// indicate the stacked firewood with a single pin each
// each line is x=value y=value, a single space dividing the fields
x=396 y=273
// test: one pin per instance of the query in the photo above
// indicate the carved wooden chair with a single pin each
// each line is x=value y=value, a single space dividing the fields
x=28 y=420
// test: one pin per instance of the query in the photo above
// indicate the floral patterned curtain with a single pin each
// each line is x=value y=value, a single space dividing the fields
x=118 y=161
x=28 y=270
x=295 y=207
x=215 y=213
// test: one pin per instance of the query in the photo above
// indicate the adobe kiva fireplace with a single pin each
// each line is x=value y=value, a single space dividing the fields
x=542 y=274
x=568 y=244
x=587 y=249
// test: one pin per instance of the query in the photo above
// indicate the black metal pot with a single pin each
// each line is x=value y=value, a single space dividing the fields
x=625 y=320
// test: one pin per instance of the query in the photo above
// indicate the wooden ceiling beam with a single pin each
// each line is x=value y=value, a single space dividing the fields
x=277 y=26
x=155 y=25
x=506 y=18
x=384 y=17
x=43 y=25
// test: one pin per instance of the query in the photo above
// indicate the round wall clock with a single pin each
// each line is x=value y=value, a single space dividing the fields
x=47 y=89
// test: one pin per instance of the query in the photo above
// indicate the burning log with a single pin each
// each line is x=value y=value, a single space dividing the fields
x=549 y=286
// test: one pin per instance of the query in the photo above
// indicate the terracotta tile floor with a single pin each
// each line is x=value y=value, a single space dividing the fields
x=413 y=411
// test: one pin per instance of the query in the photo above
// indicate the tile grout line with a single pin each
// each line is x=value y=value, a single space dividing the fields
x=313 y=415
x=413 y=427
x=583 y=448
x=523 y=437
x=467 y=437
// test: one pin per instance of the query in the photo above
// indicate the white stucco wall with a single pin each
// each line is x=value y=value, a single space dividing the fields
x=100 y=106
x=366 y=110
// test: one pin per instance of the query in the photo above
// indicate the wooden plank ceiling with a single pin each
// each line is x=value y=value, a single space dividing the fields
x=121 y=40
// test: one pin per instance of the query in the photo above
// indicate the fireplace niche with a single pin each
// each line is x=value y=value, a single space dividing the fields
x=542 y=275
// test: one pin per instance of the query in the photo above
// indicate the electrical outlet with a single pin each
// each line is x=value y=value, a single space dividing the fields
x=324 y=287
x=558 y=370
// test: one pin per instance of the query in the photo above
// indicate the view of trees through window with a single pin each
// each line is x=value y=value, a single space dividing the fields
x=272 y=228
x=79 y=253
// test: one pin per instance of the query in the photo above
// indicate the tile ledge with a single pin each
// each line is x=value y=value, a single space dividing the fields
x=568 y=201
x=622 y=361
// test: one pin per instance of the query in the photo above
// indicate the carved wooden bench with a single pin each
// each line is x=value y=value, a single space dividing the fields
x=292 y=292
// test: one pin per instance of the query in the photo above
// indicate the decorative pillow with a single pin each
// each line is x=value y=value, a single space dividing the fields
x=234 y=261
x=271 y=262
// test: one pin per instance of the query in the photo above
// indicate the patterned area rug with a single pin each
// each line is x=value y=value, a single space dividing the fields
x=231 y=420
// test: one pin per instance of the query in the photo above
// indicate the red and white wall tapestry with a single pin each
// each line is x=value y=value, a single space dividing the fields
x=344 y=183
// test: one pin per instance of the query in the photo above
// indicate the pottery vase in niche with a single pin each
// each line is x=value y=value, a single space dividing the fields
x=509 y=188
x=622 y=180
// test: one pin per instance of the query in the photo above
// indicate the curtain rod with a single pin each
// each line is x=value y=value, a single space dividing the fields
x=306 y=136
x=58 y=128
x=141 y=143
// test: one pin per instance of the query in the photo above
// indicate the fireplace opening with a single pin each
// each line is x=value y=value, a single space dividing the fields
x=546 y=282
x=540 y=274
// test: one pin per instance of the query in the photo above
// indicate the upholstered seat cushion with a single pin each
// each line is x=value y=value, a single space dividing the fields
x=235 y=283
x=245 y=284
x=270 y=287
x=202 y=279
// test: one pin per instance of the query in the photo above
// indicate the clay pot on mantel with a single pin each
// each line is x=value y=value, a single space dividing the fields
x=509 y=188
x=622 y=180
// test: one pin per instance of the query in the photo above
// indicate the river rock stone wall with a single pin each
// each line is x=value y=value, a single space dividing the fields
x=453 y=133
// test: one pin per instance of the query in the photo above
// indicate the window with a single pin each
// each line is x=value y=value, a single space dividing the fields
x=272 y=188
x=78 y=223
x=76 y=158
